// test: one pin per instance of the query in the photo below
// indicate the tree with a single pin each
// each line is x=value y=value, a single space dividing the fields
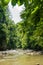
x=3 y=36
x=29 y=33
x=34 y=16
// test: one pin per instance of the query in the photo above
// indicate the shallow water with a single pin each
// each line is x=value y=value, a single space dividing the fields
x=22 y=60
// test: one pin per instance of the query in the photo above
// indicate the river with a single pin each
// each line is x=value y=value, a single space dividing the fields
x=21 y=59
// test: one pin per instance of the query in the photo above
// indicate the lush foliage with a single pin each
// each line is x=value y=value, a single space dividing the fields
x=26 y=34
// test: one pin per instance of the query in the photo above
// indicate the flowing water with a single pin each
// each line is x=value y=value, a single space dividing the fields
x=22 y=60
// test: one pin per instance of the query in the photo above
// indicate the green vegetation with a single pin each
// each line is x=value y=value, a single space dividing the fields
x=28 y=34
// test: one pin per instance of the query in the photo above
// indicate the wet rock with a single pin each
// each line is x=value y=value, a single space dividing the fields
x=37 y=64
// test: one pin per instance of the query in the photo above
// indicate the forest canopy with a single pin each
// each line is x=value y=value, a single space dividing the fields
x=28 y=34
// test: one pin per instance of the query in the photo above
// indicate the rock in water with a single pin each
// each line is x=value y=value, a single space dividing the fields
x=37 y=64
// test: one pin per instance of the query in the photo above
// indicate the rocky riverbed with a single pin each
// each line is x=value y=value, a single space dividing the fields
x=20 y=52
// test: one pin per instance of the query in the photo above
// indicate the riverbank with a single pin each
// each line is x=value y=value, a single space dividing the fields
x=20 y=52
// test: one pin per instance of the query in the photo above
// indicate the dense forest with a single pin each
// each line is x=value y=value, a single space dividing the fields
x=27 y=34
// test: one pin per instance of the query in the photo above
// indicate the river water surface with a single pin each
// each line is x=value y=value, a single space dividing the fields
x=22 y=60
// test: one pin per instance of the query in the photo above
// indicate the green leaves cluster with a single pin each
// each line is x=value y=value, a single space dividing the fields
x=26 y=34
x=33 y=15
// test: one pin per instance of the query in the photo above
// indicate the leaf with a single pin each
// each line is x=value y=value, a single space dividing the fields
x=35 y=9
x=14 y=2
x=20 y=2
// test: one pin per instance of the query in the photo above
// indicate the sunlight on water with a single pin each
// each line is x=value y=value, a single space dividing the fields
x=22 y=60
